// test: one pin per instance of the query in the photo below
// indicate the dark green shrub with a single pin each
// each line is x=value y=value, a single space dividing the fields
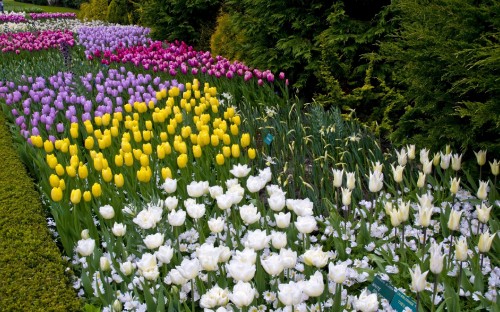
x=445 y=60
x=32 y=270
x=117 y=12
x=192 y=21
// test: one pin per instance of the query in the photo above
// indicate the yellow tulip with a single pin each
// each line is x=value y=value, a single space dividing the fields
x=89 y=128
x=56 y=194
x=219 y=159
x=118 y=160
x=214 y=140
x=204 y=138
x=196 y=151
x=146 y=135
x=215 y=109
x=98 y=121
x=73 y=132
x=166 y=173
x=107 y=175
x=185 y=131
x=194 y=138
x=174 y=92
x=226 y=151
x=59 y=170
x=48 y=146
x=226 y=139
x=235 y=150
x=236 y=120
x=36 y=140
x=182 y=160
x=129 y=159
x=96 y=190
x=160 y=152
x=182 y=148
x=147 y=149
x=98 y=164
x=234 y=129
x=126 y=146
x=70 y=170
x=89 y=142
x=230 y=112
x=170 y=129
x=223 y=125
x=106 y=119
x=114 y=131
x=151 y=104
x=163 y=136
x=119 y=180
x=51 y=161
x=58 y=144
x=62 y=184
x=144 y=160
x=167 y=148
x=64 y=147
x=137 y=154
x=76 y=196
x=73 y=149
x=245 y=140
x=178 y=118
x=83 y=172
x=251 y=153
x=87 y=196
x=54 y=180
x=137 y=136
x=115 y=122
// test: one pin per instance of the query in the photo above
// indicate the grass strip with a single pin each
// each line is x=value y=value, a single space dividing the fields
x=31 y=268
x=10 y=5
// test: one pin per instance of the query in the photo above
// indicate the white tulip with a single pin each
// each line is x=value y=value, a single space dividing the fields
x=436 y=261
x=241 y=271
x=305 y=224
x=85 y=247
x=316 y=257
x=257 y=239
x=418 y=279
x=366 y=302
x=189 y=268
x=147 y=267
x=351 y=180
x=107 y=212
x=197 y=189
x=154 y=241
x=276 y=202
x=445 y=161
x=482 y=191
x=337 y=177
x=216 y=225
x=176 y=218
x=315 y=286
x=164 y=254
x=240 y=171
x=272 y=264
x=278 y=239
x=337 y=273
x=376 y=181
x=119 y=229
x=243 y=294
x=282 y=220
x=170 y=185
x=288 y=258
x=249 y=214
x=171 y=203
x=290 y=294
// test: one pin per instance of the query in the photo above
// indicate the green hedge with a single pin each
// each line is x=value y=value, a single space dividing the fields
x=31 y=268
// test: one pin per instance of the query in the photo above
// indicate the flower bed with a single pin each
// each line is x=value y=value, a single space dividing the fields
x=28 y=41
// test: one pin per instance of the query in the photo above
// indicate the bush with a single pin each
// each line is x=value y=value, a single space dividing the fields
x=191 y=21
x=32 y=271
x=445 y=60
x=94 y=10
x=117 y=12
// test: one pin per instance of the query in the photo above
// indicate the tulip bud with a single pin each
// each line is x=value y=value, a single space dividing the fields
x=119 y=180
x=346 y=196
x=424 y=156
x=456 y=162
x=495 y=165
x=411 y=151
x=421 y=180
x=245 y=140
x=85 y=234
x=251 y=153
x=351 y=180
x=418 y=279
x=87 y=196
x=166 y=173
x=117 y=306
x=436 y=261
x=436 y=159
x=337 y=177
x=56 y=194
x=481 y=157
x=445 y=161
x=485 y=241
x=454 y=220
x=219 y=159
x=235 y=150
x=398 y=173
x=454 y=185
x=104 y=264
x=461 y=249
x=76 y=196
x=402 y=157
x=96 y=190
x=482 y=191
x=182 y=160
x=483 y=213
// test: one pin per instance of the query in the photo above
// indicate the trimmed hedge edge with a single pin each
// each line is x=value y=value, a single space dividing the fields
x=31 y=267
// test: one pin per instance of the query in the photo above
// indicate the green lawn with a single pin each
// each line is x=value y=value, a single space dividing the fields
x=10 y=4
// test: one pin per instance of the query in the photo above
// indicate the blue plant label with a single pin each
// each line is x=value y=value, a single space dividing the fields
x=382 y=288
x=268 y=139
x=402 y=302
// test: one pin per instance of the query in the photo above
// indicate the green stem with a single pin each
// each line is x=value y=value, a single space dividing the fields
x=436 y=276
x=459 y=278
